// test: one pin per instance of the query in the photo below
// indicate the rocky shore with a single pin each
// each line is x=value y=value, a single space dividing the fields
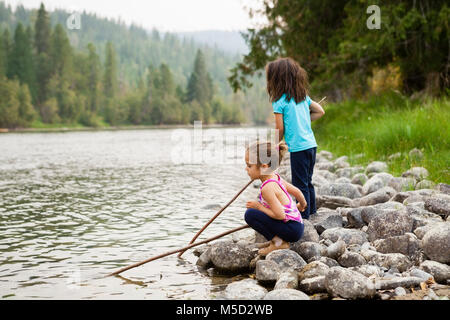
x=374 y=236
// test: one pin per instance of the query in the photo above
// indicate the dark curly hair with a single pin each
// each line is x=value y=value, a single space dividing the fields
x=286 y=76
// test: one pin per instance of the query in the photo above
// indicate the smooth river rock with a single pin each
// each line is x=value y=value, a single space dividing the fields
x=229 y=257
x=348 y=284
x=436 y=243
x=247 y=289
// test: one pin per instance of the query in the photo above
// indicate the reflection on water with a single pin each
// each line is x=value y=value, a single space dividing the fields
x=76 y=206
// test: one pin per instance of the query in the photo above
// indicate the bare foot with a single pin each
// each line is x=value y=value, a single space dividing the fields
x=265 y=251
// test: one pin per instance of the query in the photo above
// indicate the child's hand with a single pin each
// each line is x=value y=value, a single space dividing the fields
x=253 y=204
x=302 y=206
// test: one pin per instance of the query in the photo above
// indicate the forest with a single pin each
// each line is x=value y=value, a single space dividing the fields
x=109 y=74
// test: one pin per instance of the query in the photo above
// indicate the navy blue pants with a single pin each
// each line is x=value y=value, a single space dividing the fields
x=302 y=166
x=290 y=231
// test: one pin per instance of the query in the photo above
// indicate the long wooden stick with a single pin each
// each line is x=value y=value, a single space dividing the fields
x=216 y=215
x=177 y=250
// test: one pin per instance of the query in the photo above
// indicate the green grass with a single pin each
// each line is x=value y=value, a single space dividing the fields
x=387 y=124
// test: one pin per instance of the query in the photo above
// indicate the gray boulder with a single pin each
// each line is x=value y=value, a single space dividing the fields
x=329 y=176
x=348 y=284
x=308 y=249
x=332 y=202
x=389 y=224
x=425 y=184
x=247 y=289
x=392 y=283
x=287 y=280
x=379 y=196
x=313 y=269
x=376 y=166
x=335 y=250
x=349 y=236
x=439 y=271
x=346 y=190
x=325 y=165
x=309 y=234
x=359 y=179
x=387 y=260
x=439 y=205
x=354 y=218
x=421 y=231
x=286 y=259
x=377 y=182
x=325 y=155
x=324 y=221
x=229 y=257
x=286 y=294
x=351 y=259
x=443 y=188
x=436 y=243
x=313 y=285
x=401 y=184
x=368 y=270
x=418 y=173
x=406 y=244
x=267 y=271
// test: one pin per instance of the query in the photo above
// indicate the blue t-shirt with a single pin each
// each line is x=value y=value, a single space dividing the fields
x=297 y=123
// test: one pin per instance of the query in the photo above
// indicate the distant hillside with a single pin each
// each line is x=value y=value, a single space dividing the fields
x=229 y=41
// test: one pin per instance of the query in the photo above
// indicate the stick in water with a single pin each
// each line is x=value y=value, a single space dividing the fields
x=178 y=250
x=216 y=215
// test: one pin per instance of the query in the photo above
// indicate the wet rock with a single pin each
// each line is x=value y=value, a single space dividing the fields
x=418 y=173
x=401 y=184
x=407 y=244
x=359 y=179
x=229 y=257
x=313 y=285
x=348 y=284
x=436 y=243
x=351 y=259
x=286 y=259
x=379 y=196
x=439 y=205
x=247 y=289
x=425 y=184
x=349 y=236
x=376 y=166
x=439 y=271
x=335 y=250
x=386 y=284
x=377 y=182
x=309 y=249
x=287 y=280
x=204 y=261
x=332 y=202
x=267 y=271
x=387 y=260
x=389 y=224
x=286 y=294
x=313 y=269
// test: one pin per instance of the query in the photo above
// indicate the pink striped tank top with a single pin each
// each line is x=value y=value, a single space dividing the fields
x=290 y=209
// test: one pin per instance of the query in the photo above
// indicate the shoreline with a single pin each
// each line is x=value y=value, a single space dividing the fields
x=125 y=127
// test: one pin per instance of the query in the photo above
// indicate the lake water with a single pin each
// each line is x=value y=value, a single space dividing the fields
x=76 y=206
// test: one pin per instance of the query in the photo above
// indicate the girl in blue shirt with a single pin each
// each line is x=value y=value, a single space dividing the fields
x=287 y=86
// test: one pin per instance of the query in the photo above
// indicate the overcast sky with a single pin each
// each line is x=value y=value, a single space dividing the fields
x=164 y=15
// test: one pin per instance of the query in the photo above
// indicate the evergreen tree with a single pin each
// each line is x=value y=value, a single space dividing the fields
x=3 y=61
x=20 y=62
x=110 y=75
x=200 y=84
x=60 y=54
x=93 y=79
x=42 y=37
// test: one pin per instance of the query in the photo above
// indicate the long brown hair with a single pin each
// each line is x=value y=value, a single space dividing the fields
x=285 y=75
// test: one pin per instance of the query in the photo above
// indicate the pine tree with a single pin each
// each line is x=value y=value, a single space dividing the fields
x=200 y=84
x=93 y=79
x=3 y=61
x=61 y=54
x=110 y=75
x=42 y=45
x=20 y=62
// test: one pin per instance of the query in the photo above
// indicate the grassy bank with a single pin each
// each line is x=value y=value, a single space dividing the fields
x=388 y=124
